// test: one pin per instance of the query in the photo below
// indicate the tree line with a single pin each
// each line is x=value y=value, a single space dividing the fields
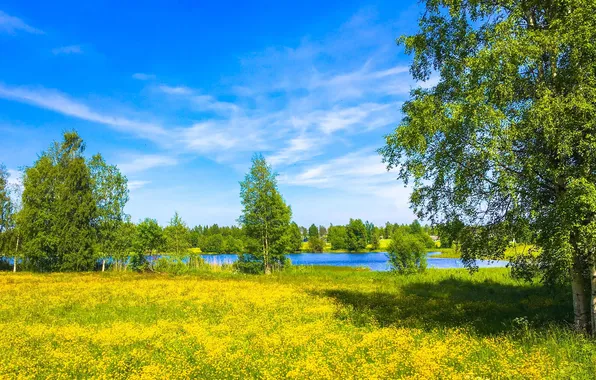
x=68 y=215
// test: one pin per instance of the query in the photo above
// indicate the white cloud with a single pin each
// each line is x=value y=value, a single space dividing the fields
x=143 y=76
x=140 y=163
x=200 y=101
x=343 y=118
x=180 y=90
x=71 y=49
x=58 y=102
x=11 y=25
x=361 y=171
x=135 y=185
x=299 y=148
x=207 y=137
x=354 y=185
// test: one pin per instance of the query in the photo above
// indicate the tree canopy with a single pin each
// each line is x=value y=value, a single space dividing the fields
x=506 y=138
x=265 y=215
x=59 y=209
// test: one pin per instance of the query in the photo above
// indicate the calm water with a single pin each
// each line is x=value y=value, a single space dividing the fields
x=376 y=261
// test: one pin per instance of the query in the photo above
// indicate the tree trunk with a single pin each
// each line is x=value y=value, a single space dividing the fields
x=103 y=265
x=14 y=264
x=580 y=286
x=267 y=263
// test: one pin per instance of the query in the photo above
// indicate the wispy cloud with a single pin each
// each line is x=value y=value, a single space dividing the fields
x=135 y=185
x=357 y=172
x=143 y=76
x=299 y=148
x=11 y=25
x=356 y=165
x=71 y=49
x=141 y=163
x=180 y=90
x=60 y=103
x=201 y=102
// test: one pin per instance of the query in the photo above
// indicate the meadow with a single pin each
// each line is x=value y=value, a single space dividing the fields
x=318 y=323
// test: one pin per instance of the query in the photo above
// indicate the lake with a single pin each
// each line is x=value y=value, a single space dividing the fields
x=376 y=261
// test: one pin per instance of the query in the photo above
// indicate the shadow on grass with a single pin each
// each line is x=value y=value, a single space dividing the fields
x=488 y=307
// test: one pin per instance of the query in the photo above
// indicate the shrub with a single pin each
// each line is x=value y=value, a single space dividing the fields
x=316 y=244
x=251 y=264
x=407 y=253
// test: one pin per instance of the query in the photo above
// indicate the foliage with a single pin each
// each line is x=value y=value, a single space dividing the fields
x=110 y=191
x=214 y=243
x=337 y=323
x=265 y=215
x=177 y=238
x=150 y=237
x=337 y=236
x=59 y=209
x=125 y=242
x=355 y=235
x=375 y=243
x=294 y=237
x=322 y=232
x=505 y=139
x=176 y=266
x=407 y=253
x=313 y=232
x=316 y=244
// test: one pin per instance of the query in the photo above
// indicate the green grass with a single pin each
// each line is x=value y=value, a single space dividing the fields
x=445 y=253
x=306 y=322
x=450 y=253
x=383 y=245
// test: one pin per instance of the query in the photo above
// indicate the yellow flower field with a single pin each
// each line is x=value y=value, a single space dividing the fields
x=306 y=323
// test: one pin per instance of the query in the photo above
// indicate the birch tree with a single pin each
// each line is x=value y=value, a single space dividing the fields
x=110 y=190
x=503 y=134
x=265 y=215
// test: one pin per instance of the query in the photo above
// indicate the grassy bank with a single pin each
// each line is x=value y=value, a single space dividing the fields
x=383 y=245
x=450 y=253
x=304 y=323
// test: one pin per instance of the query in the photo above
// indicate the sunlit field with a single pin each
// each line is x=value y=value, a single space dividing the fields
x=304 y=323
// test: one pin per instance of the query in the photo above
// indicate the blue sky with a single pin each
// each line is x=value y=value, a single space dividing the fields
x=180 y=94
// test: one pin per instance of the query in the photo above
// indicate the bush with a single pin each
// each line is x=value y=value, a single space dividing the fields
x=316 y=244
x=250 y=264
x=169 y=265
x=407 y=253
x=139 y=262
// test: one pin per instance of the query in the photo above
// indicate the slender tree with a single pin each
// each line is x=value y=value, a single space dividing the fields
x=265 y=215
x=356 y=235
x=322 y=232
x=295 y=237
x=7 y=215
x=110 y=191
x=506 y=136
x=124 y=243
x=177 y=237
x=337 y=237
x=313 y=232
x=150 y=237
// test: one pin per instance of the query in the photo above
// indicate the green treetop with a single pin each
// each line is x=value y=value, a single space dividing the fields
x=507 y=136
x=265 y=215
